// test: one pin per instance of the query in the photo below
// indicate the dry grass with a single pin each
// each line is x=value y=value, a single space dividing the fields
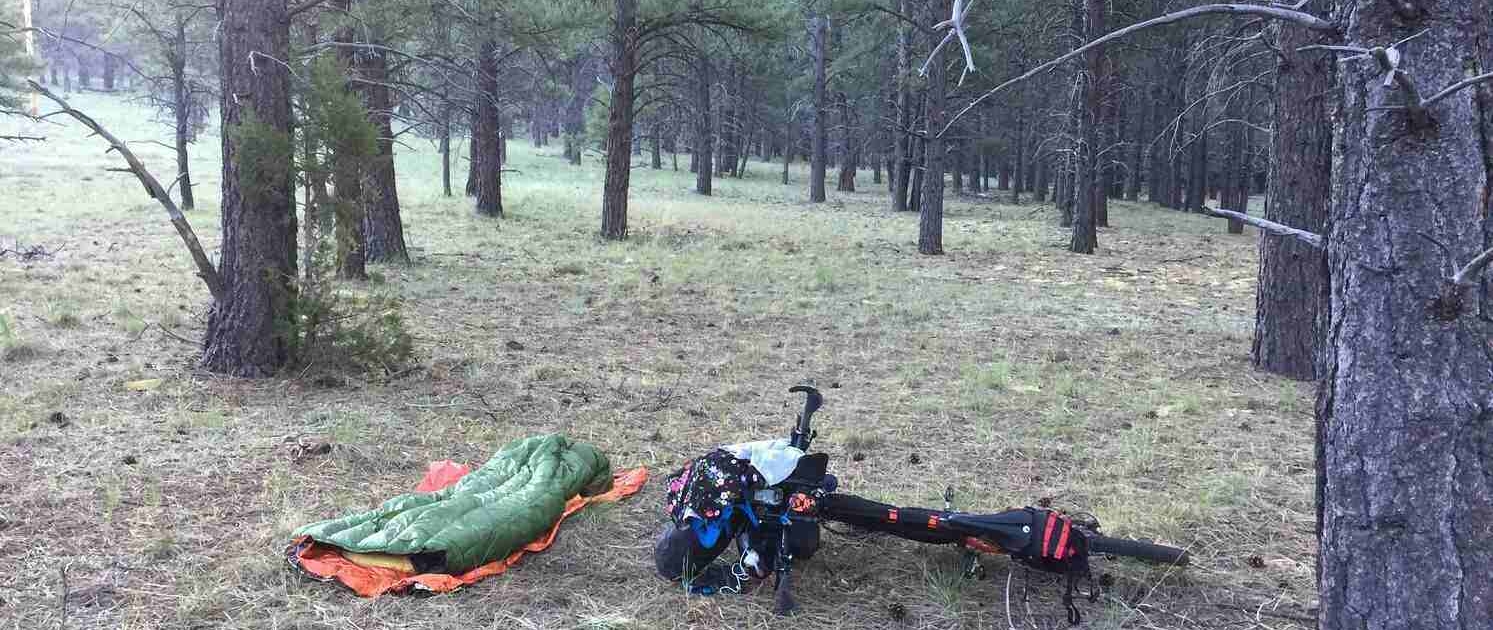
x=1116 y=384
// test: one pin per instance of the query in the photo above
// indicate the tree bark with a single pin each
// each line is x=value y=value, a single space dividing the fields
x=818 y=41
x=656 y=161
x=472 y=157
x=901 y=167
x=915 y=187
x=1236 y=178
x=1407 y=458
x=446 y=151
x=1020 y=157
x=1156 y=175
x=250 y=332
x=382 y=224
x=1086 y=184
x=1104 y=173
x=850 y=152
x=704 y=144
x=487 y=144
x=956 y=168
x=619 y=122
x=352 y=237
x=575 y=108
x=1040 y=192
x=1137 y=119
x=1291 y=297
x=930 y=221
x=181 y=99
x=1197 y=168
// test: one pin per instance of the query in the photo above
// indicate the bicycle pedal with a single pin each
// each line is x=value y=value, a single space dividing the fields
x=971 y=568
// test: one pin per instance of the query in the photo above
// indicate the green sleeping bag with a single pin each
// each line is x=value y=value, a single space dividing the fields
x=491 y=512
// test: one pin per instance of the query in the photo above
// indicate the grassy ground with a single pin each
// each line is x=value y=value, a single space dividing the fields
x=1116 y=384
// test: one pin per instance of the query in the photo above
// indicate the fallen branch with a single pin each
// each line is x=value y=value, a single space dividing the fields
x=168 y=333
x=1276 y=13
x=1310 y=238
x=24 y=138
x=205 y=268
x=34 y=252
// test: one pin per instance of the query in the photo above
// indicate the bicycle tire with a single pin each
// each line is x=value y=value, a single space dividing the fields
x=1141 y=550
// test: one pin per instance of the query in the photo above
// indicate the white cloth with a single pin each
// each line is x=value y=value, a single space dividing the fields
x=773 y=459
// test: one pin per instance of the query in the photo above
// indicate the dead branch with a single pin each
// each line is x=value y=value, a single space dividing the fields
x=205 y=268
x=297 y=9
x=1276 y=13
x=167 y=331
x=24 y=138
x=1456 y=86
x=1310 y=238
x=1389 y=60
x=1467 y=276
x=34 y=252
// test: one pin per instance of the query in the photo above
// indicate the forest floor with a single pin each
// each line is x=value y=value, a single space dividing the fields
x=1117 y=384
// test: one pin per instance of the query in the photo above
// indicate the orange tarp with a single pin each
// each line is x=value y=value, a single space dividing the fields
x=371 y=575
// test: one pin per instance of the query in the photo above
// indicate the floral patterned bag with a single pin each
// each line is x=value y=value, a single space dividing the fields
x=708 y=485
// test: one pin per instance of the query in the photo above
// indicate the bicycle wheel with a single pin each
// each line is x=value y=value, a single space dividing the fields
x=1150 y=552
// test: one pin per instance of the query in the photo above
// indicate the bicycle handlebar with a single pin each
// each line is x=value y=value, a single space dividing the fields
x=803 y=432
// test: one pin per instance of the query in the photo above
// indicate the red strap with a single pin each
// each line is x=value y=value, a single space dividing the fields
x=1047 y=531
x=1063 y=540
x=891 y=515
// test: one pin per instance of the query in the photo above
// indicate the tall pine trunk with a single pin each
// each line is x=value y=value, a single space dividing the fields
x=382 y=224
x=619 y=122
x=486 y=141
x=1137 y=119
x=930 y=218
x=250 y=332
x=850 y=152
x=347 y=169
x=1291 y=296
x=1086 y=181
x=703 y=149
x=446 y=151
x=181 y=101
x=819 y=41
x=1407 y=459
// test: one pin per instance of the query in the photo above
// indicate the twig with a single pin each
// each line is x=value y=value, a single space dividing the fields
x=1357 y=52
x=1304 y=19
x=663 y=402
x=205 y=268
x=302 y=7
x=1310 y=238
x=175 y=336
x=1467 y=276
x=487 y=409
x=1268 y=613
x=1456 y=86
x=24 y=138
x=62 y=601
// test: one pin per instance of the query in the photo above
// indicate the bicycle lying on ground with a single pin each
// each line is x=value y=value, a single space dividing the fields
x=792 y=509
